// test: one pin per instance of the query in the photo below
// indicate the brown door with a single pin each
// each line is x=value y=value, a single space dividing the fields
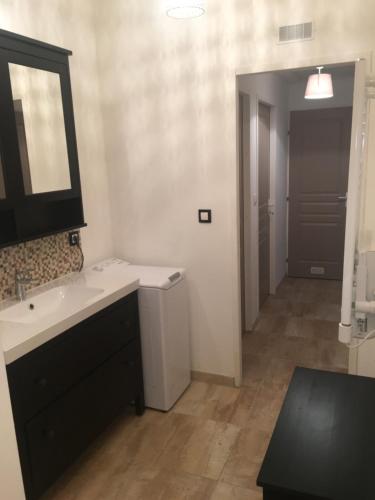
x=318 y=180
x=264 y=196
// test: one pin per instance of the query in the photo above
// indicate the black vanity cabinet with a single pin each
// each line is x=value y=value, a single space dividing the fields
x=40 y=190
x=67 y=391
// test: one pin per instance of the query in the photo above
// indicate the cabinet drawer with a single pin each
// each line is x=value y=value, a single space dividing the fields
x=58 y=435
x=39 y=377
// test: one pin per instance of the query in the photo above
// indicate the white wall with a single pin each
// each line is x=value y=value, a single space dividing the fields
x=367 y=235
x=272 y=90
x=343 y=87
x=169 y=103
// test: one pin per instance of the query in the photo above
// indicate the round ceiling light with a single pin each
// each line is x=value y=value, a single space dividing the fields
x=185 y=9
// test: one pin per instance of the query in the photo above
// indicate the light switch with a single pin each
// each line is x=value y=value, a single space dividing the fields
x=205 y=216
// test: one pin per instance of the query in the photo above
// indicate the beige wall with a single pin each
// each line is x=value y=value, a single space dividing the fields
x=168 y=90
x=68 y=23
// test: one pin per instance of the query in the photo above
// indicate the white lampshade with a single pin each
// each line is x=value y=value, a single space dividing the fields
x=185 y=9
x=319 y=86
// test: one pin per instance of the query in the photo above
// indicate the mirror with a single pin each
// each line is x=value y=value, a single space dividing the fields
x=40 y=124
x=2 y=184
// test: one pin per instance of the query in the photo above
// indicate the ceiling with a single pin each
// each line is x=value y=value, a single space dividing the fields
x=337 y=70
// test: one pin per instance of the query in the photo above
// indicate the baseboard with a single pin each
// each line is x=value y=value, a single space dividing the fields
x=212 y=378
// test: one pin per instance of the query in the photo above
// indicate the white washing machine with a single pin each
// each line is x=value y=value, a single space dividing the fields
x=165 y=335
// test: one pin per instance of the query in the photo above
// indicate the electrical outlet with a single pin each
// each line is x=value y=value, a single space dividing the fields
x=73 y=238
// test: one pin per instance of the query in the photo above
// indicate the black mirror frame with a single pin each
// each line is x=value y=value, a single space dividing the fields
x=29 y=216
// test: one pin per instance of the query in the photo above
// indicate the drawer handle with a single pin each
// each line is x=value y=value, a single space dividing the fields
x=50 y=434
x=41 y=382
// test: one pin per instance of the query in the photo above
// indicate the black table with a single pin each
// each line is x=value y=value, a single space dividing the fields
x=323 y=445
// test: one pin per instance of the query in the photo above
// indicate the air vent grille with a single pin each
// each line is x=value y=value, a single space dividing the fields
x=295 y=32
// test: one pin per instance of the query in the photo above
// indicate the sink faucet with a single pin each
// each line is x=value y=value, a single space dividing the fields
x=22 y=279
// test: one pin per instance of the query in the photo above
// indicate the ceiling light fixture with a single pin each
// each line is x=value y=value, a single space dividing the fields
x=319 y=86
x=185 y=9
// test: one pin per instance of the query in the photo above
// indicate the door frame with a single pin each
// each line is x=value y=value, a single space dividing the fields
x=251 y=258
x=271 y=198
x=254 y=166
x=253 y=70
x=244 y=185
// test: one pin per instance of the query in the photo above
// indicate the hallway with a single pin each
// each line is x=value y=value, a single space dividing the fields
x=298 y=326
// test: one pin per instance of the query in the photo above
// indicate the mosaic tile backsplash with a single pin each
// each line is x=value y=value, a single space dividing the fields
x=47 y=259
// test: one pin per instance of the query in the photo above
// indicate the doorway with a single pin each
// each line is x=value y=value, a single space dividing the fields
x=296 y=194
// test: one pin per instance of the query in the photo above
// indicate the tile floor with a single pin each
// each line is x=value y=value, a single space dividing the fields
x=211 y=445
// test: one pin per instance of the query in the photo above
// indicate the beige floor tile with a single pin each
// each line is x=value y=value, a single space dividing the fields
x=225 y=491
x=317 y=329
x=244 y=462
x=303 y=351
x=271 y=324
x=143 y=483
x=199 y=446
x=282 y=307
x=300 y=327
x=333 y=354
x=255 y=342
x=326 y=330
x=279 y=372
x=89 y=481
x=322 y=310
x=240 y=416
x=147 y=437
x=333 y=297
x=266 y=407
x=310 y=290
x=279 y=362
x=214 y=402
x=254 y=369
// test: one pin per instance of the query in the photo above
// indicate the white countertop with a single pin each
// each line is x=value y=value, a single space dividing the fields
x=17 y=339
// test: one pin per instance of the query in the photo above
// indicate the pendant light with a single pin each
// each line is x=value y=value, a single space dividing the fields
x=185 y=9
x=319 y=85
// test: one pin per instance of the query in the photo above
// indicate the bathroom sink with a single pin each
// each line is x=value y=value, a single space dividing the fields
x=59 y=299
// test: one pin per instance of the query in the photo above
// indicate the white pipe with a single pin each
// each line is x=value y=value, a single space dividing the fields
x=365 y=307
x=352 y=214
